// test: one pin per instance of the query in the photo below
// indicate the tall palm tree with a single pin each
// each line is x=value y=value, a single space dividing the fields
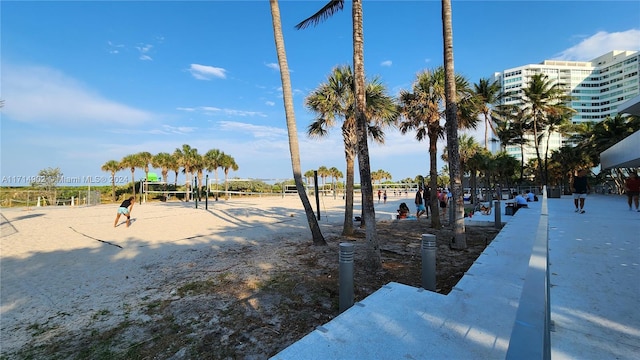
x=112 y=166
x=541 y=98
x=132 y=162
x=422 y=112
x=294 y=148
x=334 y=100
x=459 y=241
x=487 y=92
x=212 y=163
x=227 y=163
x=373 y=260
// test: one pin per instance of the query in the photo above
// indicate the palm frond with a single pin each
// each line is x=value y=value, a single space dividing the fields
x=326 y=12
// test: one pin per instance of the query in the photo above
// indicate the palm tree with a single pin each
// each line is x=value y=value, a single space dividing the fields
x=212 y=163
x=487 y=92
x=186 y=158
x=309 y=175
x=294 y=148
x=145 y=159
x=197 y=167
x=468 y=149
x=540 y=99
x=335 y=99
x=421 y=111
x=112 y=166
x=459 y=241
x=174 y=165
x=336 y=175
x=557 y=123
x=512 y=123
x=132 y=162
x=323 y=172
x=373 y=260
x=163 y=161
x=227 y=163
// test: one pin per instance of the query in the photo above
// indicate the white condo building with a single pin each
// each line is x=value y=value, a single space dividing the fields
x=597 y=87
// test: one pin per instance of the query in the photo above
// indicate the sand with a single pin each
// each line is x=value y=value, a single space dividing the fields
x=67 y=269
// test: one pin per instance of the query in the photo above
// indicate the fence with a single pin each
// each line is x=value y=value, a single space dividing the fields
x=36 y=198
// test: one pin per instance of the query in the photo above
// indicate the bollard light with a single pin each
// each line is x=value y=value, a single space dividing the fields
x=428 y=253
x=346 y=276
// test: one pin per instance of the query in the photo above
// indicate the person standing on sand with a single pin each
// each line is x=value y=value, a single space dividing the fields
x=581 y=188
x=419 y=201
x=632 y=188
x=125 y=209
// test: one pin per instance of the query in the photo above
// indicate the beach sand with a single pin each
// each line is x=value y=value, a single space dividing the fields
x=68 y=269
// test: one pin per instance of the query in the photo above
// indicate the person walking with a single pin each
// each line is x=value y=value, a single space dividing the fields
x=125 y=209
x=419 y=201
x=443 y=199
x=632 y=188
x=581 y=188
x=384 y=196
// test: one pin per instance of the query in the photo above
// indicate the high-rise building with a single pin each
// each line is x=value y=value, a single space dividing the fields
x=597 y=87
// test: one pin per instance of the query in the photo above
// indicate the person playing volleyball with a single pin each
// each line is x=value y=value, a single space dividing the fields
x=125 y=209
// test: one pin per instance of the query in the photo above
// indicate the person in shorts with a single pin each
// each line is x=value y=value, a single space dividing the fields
x=581 y=188
x=443 y=199
x=632 y=188
x=125 y=209
x=420 y=203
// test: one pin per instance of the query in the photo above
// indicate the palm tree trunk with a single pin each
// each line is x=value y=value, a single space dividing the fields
x=459 y=240
x=436 y=222
x=133 y=181
x=347 y=228
x=373 y=260
x=287 y=93
x=113 y=185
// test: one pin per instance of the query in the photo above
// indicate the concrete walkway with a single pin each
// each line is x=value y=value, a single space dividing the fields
x=595 y=295
x=595 y=277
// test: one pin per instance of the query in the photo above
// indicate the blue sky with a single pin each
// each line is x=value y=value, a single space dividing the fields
x=85 y=82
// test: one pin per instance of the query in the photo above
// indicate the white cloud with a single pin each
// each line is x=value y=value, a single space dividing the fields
x=601 y=43
x=114 y=48
x=144 y=52
x=273 y=66
x=212 y=110
x=270 y=103
x=43 y=94
x=257 y=131
x=205 y=72
x=386 y=63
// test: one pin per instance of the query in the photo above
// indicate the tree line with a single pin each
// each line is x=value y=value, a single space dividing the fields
x=185 y=158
